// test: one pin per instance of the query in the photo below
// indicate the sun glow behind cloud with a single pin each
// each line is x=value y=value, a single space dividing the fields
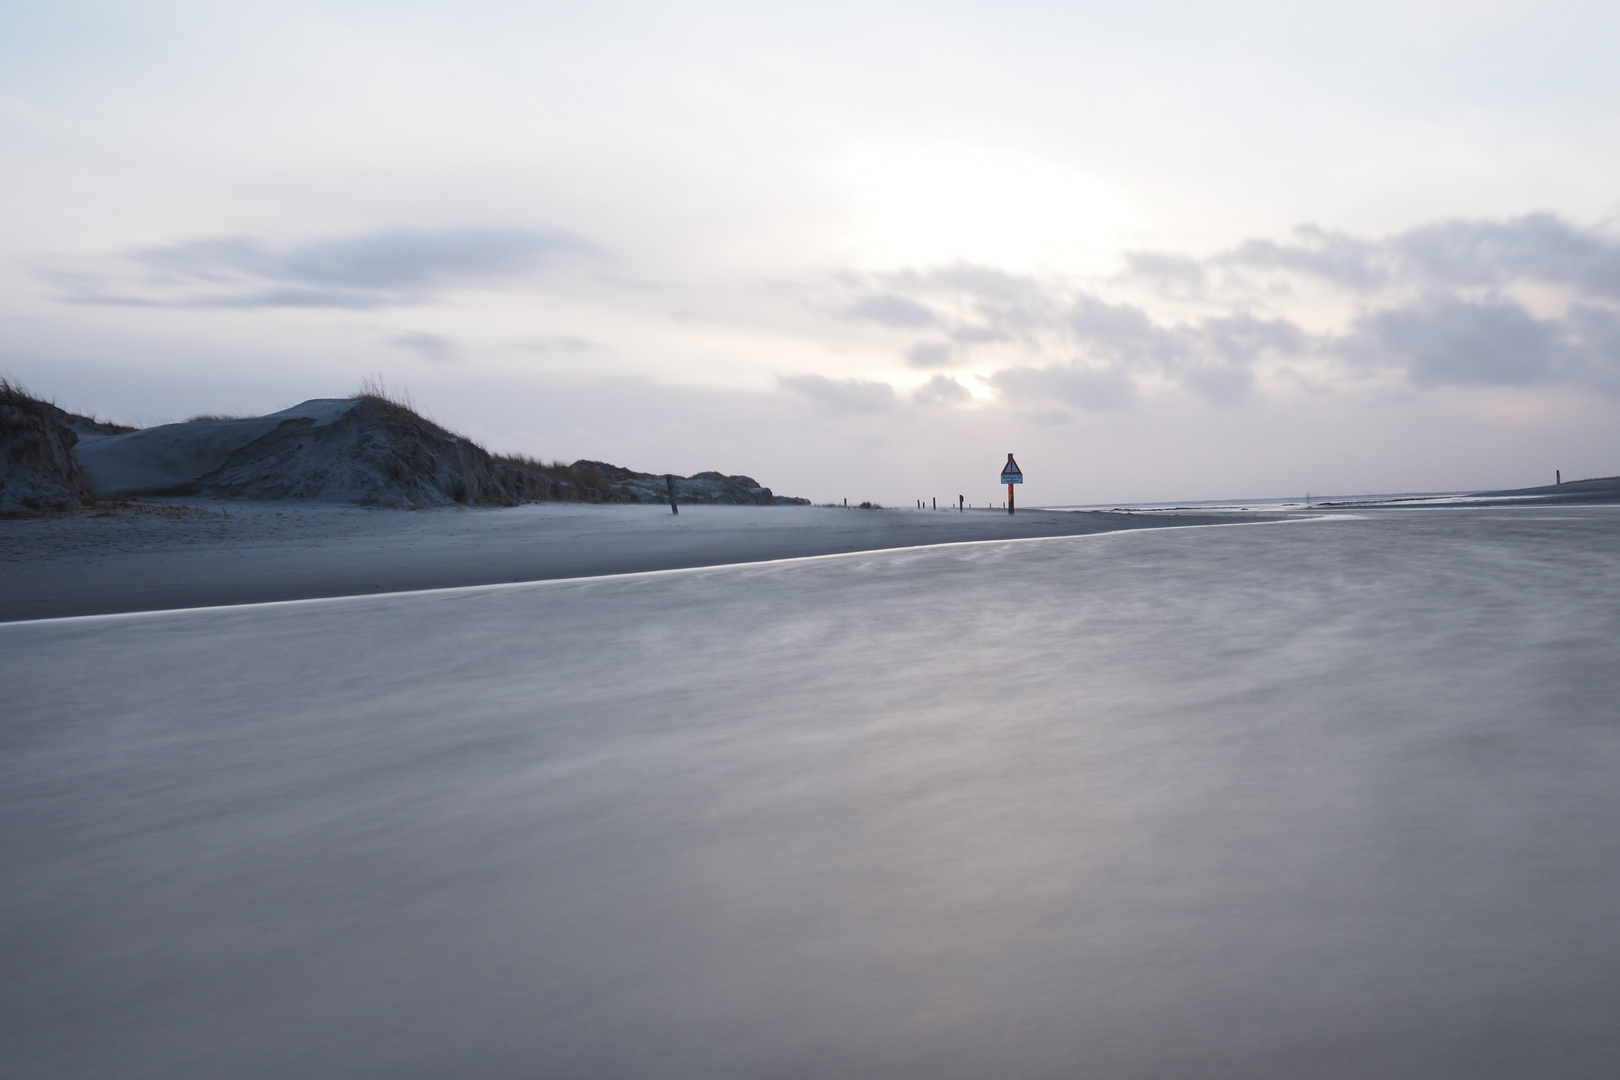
x=924 y=205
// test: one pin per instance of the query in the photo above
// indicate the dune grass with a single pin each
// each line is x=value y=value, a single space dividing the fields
x=14 y=393
x=376 y=388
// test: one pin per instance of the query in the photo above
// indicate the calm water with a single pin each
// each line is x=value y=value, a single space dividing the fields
x=1314 y=799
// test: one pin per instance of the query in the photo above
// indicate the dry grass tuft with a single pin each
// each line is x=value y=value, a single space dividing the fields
x=375 y=388
x=14 y=393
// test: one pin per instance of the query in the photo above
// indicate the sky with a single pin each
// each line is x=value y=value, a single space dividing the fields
x=1160 y=251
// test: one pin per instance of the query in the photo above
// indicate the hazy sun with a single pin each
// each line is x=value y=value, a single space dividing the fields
x=921 y=205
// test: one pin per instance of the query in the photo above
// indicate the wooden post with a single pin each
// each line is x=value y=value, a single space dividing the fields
x=669 y=479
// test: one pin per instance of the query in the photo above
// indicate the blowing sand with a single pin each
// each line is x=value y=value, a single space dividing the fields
x=203 y=553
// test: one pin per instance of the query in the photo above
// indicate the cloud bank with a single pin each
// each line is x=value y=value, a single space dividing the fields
x=382 y=268
x=1530 y=301
x=1524 y=302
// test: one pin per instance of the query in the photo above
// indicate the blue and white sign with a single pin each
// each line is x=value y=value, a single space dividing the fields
x=1011 y=473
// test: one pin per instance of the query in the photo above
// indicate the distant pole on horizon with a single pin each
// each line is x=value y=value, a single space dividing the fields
x=669 y=480
x=1558 y=477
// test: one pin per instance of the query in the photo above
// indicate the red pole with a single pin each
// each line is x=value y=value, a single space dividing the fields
x=1009 y=499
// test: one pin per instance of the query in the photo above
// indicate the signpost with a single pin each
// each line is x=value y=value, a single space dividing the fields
x=1011 y=474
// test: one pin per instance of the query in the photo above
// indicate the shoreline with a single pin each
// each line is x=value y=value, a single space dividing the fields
x=203 y=553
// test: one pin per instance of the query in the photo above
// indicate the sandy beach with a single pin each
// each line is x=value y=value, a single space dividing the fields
x=1316 y=799
x=201 y=553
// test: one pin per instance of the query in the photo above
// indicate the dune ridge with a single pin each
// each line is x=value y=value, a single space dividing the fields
x=367 y=450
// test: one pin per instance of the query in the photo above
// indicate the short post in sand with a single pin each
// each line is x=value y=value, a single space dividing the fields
x=669 y=480
x=1011 y=474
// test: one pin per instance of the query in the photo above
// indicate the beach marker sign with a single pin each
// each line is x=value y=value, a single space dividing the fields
x=1011 y=474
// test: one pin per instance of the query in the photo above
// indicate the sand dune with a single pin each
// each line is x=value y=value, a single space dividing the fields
x=362 y=450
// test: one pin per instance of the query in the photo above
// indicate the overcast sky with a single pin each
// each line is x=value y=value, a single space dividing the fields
x=1161 y=251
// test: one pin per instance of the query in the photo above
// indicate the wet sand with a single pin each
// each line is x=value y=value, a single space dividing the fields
x=1314 y=800
x=199 y=553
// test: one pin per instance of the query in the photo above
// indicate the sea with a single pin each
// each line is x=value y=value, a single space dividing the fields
x=1336 y=795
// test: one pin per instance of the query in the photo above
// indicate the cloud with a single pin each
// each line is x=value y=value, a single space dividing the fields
x=428 y=346
x=973 y=303
x=843 y=396
x=1220 y=385
x=1594 y=337
x=1123 y=333
x=1536 y=247
x=978 y=335
x=928 y=354
x=942 y=390
x=383 y=268
x=1444 y=340
x=984 y=283
x=563 y=343
x=1211 y=356
x=1438 y=305
x=1175 y=275
x=1048 y=417
x=1091 y=389
x=891 y=310
x=1442 y=255
x=1335 y=257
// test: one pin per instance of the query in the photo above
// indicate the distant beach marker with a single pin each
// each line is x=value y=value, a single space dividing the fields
x=1011 y=474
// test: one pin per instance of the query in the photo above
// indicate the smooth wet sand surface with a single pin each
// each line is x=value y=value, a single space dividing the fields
x=235 y=553
x=1311 y=800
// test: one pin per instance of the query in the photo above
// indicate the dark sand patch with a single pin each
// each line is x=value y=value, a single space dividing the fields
x=236 y=553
